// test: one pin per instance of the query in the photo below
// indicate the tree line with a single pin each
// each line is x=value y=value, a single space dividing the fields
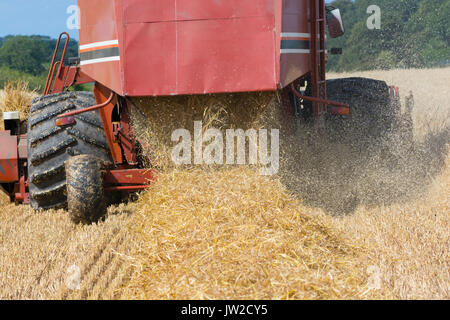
x=28 y=58
x=411 y=34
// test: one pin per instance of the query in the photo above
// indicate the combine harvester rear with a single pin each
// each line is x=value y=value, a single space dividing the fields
x=81 y=146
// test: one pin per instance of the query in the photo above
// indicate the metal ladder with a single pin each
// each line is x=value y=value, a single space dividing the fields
x=54 y=64
x=317 y=22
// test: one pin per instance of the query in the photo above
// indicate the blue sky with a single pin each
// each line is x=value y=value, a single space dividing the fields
x=42 y=17
x=28 y=17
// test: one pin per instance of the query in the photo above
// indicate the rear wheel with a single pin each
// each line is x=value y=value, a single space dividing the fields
x=362 y=134
x=372 y=116
x=49 y=146
x=85 y=194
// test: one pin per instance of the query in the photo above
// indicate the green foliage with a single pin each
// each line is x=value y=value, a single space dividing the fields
x=28 y=58
x=82 y=87
x=34 y=82
x=24 y=54
x=386 y=60
x=414 y=33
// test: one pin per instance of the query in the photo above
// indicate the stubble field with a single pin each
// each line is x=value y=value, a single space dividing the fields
x=231 y=233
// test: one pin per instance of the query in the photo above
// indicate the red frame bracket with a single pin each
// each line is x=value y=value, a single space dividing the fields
x=66 y=76
x=69 y=76
x=317 y=100
x=53 y=64
x=129 y=179
x=96 y=107
x=22 y=196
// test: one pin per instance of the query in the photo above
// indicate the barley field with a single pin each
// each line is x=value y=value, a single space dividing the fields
x=233 y=234
x=411 y=240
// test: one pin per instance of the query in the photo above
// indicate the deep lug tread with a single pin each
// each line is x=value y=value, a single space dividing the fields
x=41 y=103
x=51 y=115
x=45 y=135
x=85 y=138
x=41 y=156
x=90 y=120
x=49 y=147
x=50 y=192
x=55 y=205
x=38 y=178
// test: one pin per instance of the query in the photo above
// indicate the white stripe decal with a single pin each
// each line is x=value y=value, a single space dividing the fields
x=99 y=44
x=298 y=35
x=295 y=51
x=295 y=35
x=85 y=62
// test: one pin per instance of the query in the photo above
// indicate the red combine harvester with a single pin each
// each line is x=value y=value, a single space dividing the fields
x=80 y=146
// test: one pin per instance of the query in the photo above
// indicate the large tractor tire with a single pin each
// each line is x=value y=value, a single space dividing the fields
x=49 y=146
x=85 y=194
x=372 y=116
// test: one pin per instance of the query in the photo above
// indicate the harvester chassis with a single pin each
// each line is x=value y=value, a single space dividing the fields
x=77 y=140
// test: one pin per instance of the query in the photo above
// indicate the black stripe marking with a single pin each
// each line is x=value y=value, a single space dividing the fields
x=298 y=44
x=295 y=44
x=98 y=54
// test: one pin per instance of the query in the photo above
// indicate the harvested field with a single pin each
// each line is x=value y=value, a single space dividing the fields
x=209 y=235
x=232 y=233
x=409 y=242
x=42 y=254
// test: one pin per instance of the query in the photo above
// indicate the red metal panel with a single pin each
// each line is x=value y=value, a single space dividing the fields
x=9 y=171
x=150 y=66
x=278 y=11
x=295 y=7
x=293 y=66
x=21 y=194
x=226 y=55
x=223 y=9
x=294 y=21
x=129 y=176
x=22 y=148
x=97 y=20
x=100 y=22
x=136 y=11
x=194 y=46
x=107 y=73
x=219 y=46
x=129 y=179
x=204 y=56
